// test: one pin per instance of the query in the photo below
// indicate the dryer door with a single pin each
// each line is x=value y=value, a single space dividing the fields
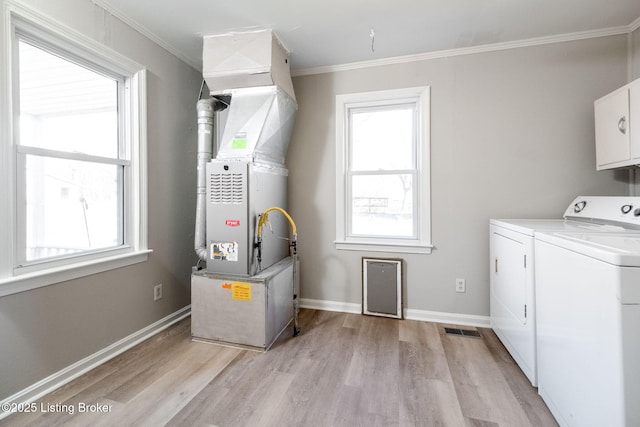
x=512 y=296
x=510 y=279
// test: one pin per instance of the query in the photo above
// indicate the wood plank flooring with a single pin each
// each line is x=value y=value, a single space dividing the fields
x=343 y=370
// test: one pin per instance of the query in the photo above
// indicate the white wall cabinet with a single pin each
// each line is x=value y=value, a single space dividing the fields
x=617 y=121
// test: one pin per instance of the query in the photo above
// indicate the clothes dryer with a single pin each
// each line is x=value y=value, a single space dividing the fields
x=513 y=260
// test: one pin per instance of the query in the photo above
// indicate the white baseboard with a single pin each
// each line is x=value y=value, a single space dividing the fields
x=449 y=318
x=62 y=377
x=409 y=314
x=342 y=307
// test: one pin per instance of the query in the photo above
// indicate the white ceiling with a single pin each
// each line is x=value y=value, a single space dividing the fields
x=322 y=33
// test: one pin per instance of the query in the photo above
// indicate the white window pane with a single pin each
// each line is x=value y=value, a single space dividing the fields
x=382 y=139
x=382 y=205
x=66 y=107
x=71 y=206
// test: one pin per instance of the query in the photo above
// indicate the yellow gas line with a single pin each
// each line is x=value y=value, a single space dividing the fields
x=265 y=216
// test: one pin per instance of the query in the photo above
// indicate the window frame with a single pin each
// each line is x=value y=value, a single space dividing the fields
x=345 y=239
x=21 y=22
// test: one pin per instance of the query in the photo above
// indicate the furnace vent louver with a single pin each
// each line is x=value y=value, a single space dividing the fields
x=226 y=188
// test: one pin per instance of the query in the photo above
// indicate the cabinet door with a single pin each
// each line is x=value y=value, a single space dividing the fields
x=633 y=129
x=612 y=128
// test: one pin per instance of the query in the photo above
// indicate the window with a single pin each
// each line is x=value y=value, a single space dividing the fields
x=71 y=159
x=382 y=165
x=76 y=152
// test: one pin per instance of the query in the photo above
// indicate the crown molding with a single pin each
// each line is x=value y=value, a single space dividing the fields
x=537 y=41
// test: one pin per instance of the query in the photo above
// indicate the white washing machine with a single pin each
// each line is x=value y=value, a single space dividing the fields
x=588 y=326
x=513 y=260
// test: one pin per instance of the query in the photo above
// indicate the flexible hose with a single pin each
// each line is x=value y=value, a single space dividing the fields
x=265 y=216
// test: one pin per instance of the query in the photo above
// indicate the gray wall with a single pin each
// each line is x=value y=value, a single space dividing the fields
x=512 y=136
x=45 y=330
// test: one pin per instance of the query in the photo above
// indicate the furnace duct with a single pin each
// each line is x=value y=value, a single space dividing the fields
x=206 y=110
x=253 y=68
x=245 y=60
x=259 y=125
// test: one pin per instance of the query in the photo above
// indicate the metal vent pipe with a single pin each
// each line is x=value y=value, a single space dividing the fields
x=206 y=109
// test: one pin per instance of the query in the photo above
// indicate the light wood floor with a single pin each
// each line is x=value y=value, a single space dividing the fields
x=343 y=370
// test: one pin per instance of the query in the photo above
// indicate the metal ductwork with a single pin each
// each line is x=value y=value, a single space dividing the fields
x=244 y=60
x=259 y=125
x=253 y=69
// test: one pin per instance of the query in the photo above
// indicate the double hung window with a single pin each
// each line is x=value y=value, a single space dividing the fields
x=382 y=182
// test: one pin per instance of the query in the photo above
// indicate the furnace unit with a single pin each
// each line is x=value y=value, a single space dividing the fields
x=241 y=291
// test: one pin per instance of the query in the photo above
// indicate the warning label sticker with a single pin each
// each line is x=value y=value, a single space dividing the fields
x=224 y=251
x=241 y=291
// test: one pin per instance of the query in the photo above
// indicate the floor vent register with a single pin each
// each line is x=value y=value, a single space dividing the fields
x=463 y=332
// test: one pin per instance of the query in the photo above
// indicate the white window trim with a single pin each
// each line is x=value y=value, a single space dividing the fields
x=136 y=250
x=344 y=242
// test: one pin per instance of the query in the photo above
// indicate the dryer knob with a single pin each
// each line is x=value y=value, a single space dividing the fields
x=626 y=209
x=636 y=212
x=578 y=207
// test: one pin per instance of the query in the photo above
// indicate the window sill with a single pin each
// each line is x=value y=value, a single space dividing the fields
x=26 y=282
x=384 y=247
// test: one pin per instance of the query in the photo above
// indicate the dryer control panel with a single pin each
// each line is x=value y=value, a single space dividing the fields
x=617 y=211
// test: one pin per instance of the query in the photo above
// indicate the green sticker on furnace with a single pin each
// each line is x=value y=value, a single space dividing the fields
x=239 y=144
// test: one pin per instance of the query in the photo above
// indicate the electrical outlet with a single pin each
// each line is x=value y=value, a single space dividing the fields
x=157 y=292
x=461 y=285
